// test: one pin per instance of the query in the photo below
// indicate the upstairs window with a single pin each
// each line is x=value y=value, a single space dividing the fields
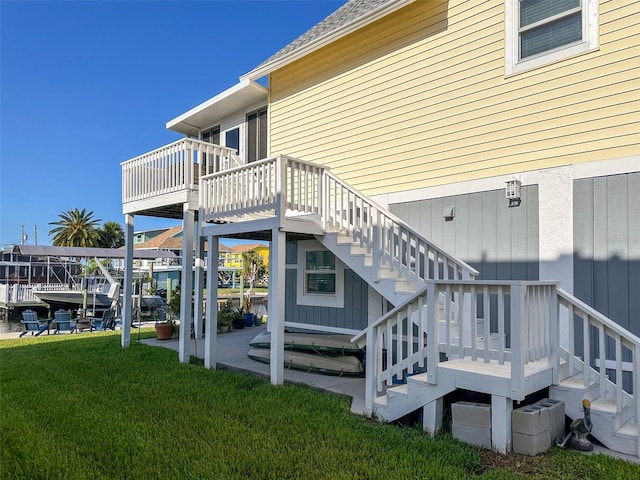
x=544 y=31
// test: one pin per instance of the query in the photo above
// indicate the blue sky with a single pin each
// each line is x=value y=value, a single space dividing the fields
x=87 y=85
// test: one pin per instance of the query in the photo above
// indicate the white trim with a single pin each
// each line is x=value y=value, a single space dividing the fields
x=600 y=168
x=324 y=40
x=244 y=93
x=513 y=64
x=318 y=300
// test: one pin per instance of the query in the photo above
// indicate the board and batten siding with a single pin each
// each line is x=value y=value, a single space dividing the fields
x=419 y=98
x=607 y=246
x=500 y=242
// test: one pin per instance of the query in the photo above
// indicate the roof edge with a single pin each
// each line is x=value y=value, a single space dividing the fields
x=242 y=84
x=330 y=37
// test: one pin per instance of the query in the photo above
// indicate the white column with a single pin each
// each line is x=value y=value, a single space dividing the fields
x=199 y=283
x=186 y=287
x=127 y=291
x=501 y=408
x=276 y=304
x=432 y=416
x=555 y=193
x=211 y=314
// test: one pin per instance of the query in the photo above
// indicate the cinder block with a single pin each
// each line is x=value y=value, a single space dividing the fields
x=531 y=444
x=530 y=420
x=472 y=414
x=556 y=417
x=478 y=436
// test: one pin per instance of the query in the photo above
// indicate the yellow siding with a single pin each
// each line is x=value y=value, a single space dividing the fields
x=419 y=98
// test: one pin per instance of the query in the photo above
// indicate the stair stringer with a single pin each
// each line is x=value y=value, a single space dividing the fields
x=613 y=429
x=401 y=400
x=388 y=284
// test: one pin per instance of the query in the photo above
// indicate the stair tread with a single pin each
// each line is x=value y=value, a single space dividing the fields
x=629 y=429
x=382 y=400
x=576 y=381
x=401 y=389
x=604 y=405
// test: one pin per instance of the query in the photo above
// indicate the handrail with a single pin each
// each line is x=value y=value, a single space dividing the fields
x=603 y=343
x=399 y=221
x=610 y=324
x=379 y=217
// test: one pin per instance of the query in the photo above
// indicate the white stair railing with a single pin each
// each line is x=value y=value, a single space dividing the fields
x=602 y=352
x=485 y=321
x=174 y=167
x=392 y=242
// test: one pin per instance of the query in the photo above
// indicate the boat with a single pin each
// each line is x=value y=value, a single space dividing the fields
x=98 y=299
x=336 y=344
x=348 y=365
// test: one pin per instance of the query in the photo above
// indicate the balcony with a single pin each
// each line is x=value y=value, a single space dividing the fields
x=160 y=182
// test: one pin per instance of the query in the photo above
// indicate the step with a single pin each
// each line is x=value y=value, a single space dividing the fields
x=628 y=431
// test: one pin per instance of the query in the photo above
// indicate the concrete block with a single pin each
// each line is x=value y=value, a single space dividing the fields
x=556 y=417
x=472 y=414
x=530 y=420
x=531 y=444
x=478 y=436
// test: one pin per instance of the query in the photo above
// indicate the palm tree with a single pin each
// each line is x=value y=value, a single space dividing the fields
x=76 y=228
x=111 y=235
x=252 y=269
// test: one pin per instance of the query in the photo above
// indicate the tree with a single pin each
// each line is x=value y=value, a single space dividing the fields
x=76 y=228
x=111 y=235
x=252 y=269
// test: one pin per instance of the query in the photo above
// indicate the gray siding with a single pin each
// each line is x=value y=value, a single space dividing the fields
x=500 y=242
x=354 y=315
x=607 y=246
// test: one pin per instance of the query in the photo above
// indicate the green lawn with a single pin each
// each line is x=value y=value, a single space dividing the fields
x=78 y=406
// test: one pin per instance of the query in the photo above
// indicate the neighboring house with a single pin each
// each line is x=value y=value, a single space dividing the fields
x=455 y=170
x=261 y=248
x=167 y=272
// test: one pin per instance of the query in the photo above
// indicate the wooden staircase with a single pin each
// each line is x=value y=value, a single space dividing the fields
x=501 y=338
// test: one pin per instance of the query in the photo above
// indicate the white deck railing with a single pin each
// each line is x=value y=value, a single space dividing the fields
x=602 y=351
x=282 y=185
x=484 y=321
x=16 y=294
x=174 y=167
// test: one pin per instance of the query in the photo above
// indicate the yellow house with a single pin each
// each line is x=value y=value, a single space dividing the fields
x=453 y=183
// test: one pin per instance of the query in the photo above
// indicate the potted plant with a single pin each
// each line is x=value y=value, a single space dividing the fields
x=225 y=318
x=247 y=305
x=165 y=327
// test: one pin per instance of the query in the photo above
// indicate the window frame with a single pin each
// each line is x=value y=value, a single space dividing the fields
x=304 y=297
x=514 y=64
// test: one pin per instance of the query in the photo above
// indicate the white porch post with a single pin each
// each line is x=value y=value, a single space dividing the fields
x=211 y=322
x=501 y=408
x=432 y=416
x=186 y=284
x=127 y=292
x=199 y=283
x=276 y=304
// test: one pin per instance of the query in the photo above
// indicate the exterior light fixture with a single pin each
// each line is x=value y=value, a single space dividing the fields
x=512 y=192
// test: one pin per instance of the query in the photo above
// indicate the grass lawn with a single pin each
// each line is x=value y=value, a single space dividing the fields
x=78 y=406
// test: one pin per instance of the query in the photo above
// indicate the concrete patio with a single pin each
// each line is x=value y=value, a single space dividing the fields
x=231 y=354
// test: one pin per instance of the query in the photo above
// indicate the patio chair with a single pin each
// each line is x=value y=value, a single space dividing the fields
x=31 y=324
x=107 y=322
x=63 y=322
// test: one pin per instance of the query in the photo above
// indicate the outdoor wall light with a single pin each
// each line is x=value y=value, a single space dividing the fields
x=449 y=213
x=512 y=192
